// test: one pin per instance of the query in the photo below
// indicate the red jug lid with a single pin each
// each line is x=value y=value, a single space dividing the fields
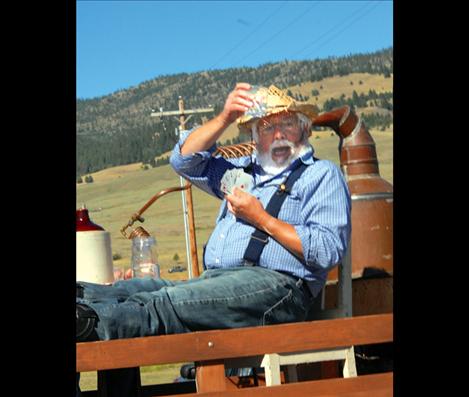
x=84 y=222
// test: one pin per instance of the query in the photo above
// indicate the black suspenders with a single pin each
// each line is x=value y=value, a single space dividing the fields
x=258 y=238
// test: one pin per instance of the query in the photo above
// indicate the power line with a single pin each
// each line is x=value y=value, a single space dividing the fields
x=345 y=28
x=280 y=31
x=249 y=34
x=338 y=25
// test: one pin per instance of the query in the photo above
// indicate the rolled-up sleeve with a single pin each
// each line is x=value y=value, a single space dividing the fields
x=200 y=168
x=326 y=217
x=190 y=164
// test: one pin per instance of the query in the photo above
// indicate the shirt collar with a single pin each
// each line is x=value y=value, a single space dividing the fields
x=308 y=158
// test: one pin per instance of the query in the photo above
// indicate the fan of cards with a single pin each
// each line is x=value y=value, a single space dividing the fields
x=236 y=177
x=258 y=109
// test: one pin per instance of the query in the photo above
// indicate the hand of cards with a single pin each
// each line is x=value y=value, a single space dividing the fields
x=259 y=106
x=236 y=177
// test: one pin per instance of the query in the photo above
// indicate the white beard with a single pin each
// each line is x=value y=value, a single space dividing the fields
x=272 y=167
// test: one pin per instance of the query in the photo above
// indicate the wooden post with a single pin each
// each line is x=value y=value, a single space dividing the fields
x=181 y=113
x=210 y=376
x=189 y=204
x=193 y=240
x=182 y=117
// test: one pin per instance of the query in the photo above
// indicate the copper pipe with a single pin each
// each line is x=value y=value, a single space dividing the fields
x=357 y=148
x=230 y=151
x=139 y=232
x=137 y=216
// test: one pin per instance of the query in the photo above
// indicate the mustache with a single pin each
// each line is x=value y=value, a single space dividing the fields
x=281 y=143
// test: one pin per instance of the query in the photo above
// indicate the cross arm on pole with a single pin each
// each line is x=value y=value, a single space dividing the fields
x=178 y=113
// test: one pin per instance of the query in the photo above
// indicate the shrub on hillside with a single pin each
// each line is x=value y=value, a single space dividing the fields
x=89 y=179
x=162 y=161
x=79 y=179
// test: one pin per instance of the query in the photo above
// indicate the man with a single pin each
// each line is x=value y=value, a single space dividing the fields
x=272 y=246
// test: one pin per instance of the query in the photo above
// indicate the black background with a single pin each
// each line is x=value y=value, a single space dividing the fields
x=38 y=191
x=38 y=198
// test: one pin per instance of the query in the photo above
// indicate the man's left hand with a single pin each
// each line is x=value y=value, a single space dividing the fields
x=245 y=206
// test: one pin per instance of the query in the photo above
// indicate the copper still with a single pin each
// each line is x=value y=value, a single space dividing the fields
x=372 y=199
x=372 y=214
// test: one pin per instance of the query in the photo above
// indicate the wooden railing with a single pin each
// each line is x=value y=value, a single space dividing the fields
x=378 y=385
x=211 y=350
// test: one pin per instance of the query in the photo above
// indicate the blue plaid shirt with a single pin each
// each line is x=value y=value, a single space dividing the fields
x=318 y=207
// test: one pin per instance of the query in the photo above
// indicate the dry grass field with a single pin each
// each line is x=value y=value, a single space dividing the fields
x=152 y=375
x=118 y=192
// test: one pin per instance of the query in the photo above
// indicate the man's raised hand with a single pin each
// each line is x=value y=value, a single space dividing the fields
x=238 y=101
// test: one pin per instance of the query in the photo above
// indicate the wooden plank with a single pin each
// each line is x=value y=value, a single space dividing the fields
x=210 y=376
x=376 y=385
x=162 y=389
x=221 y=344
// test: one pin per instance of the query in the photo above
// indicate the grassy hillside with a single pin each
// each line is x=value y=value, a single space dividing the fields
x=117 y=129
x=332 y=87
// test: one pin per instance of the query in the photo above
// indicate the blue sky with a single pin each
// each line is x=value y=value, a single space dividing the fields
x=120 y=44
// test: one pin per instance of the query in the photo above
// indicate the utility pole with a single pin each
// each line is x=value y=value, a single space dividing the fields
x=187 y=204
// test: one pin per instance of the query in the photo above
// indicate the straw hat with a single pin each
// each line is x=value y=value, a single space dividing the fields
x=270 y=101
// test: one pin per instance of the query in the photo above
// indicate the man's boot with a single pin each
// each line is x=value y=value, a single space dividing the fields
x=86 y=323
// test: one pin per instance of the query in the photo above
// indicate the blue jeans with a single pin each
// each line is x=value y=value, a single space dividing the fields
x=218 y=299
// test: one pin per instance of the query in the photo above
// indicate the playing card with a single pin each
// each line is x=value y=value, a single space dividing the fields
x=223 y=187
x=235 y=177
x=243 y=181
x=227 y=181
x=259 y=102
